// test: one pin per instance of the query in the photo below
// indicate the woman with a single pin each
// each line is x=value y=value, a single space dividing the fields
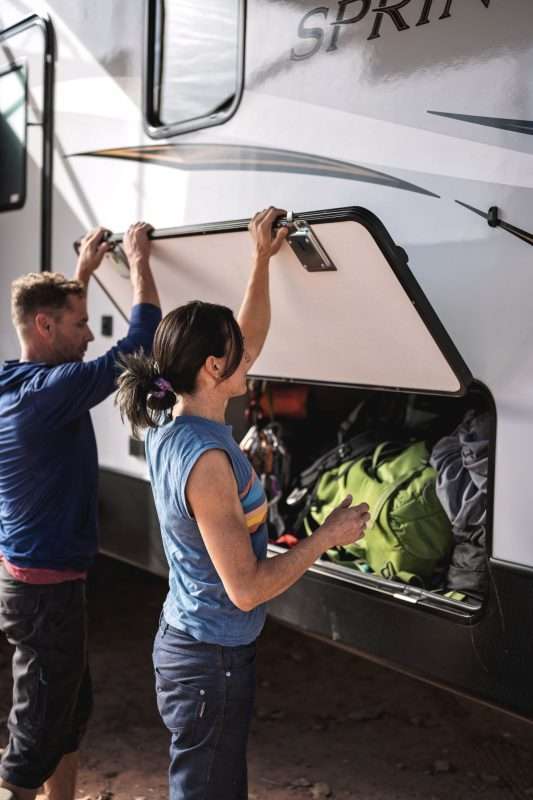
x=212 y=511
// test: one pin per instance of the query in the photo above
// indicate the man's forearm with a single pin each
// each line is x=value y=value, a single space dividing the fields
x=93 y=247
x=82 y=275
x=254 y=314
x=144 y=288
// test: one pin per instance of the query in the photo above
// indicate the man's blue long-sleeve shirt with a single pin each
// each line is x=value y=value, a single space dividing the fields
x=48 y=459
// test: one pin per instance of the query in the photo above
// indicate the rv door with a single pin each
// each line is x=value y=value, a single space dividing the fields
x=27 y=57
x=346 y=309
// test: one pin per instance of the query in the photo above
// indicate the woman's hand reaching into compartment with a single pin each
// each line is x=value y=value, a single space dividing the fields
x=346 y=524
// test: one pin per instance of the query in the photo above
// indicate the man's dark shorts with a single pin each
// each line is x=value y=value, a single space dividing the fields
x=52 y=696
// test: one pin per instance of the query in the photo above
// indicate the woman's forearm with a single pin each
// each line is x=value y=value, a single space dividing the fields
x=254 y=314
x=274 y=575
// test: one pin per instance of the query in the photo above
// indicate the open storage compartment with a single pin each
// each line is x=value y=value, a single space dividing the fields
x=312 y=422
x=351 y=328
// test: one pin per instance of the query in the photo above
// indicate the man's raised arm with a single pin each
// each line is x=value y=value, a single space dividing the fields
x=93 y=248
x=73 y=387
x=137 y=250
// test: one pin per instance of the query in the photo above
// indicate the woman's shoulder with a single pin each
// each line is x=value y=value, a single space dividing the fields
x=198 y=435
x=198 y=429
x=190 y=434
x=186 y=438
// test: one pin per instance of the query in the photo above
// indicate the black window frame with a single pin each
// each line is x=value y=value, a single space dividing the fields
x=153 y=125
x=23 y=67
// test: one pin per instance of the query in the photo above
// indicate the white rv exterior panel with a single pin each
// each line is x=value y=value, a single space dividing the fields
x=430 y=107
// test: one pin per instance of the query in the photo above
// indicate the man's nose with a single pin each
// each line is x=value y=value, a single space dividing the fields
x=90 y=338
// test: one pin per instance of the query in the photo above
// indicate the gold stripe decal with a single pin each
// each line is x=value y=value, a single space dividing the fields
x=241 y=158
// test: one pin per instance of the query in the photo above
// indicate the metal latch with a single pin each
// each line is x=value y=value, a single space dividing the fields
x=306 y=246
x=120 y=262
x=296 y=496
x=116 y=254
x=408 y=596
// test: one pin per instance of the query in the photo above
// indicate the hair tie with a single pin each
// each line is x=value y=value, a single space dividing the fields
x=163 y=387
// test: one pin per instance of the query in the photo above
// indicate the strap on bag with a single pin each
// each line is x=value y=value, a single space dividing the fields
x=381 y=454
x=392 y=490
x=384 y=452
x=358 y=447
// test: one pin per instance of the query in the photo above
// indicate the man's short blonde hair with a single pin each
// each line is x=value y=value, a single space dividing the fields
x=41 y=291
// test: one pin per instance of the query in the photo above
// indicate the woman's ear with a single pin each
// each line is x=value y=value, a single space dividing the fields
x=213 y=367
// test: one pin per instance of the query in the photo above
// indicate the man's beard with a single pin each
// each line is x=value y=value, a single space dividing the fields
x=66 y=354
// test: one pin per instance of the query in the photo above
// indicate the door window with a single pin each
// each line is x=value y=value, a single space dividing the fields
x=13 y=138
x=194 y=64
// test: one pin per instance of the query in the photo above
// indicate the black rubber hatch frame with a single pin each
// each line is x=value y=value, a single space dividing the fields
x=395 y=256
x=152 y=73
x=19 y=66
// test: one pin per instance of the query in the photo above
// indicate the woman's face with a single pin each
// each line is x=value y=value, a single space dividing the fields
x=235 y=385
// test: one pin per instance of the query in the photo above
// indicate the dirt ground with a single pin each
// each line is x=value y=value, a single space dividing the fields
x=327 y=723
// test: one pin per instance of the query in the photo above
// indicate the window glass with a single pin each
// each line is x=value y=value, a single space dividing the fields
x=196 y=61
x=12 y=138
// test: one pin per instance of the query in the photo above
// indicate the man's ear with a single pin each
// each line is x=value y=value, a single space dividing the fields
x=44 y=325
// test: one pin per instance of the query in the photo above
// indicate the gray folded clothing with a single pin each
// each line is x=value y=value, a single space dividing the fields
x=461 y=461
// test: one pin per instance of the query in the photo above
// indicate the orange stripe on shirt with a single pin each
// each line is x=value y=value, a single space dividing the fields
x=255 y=518
x=248 y=486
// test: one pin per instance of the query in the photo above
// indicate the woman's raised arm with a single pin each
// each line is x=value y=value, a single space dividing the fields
x=254 y=314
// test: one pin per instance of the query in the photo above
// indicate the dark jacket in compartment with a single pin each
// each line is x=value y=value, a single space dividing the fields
x=461 y=461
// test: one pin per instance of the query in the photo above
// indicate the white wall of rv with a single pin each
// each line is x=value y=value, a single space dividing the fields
x=365 y=103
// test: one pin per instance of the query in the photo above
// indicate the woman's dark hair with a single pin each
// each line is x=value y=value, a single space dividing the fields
x=184 y=339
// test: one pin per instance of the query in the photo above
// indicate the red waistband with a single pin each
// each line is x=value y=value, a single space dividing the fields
x=41 y=576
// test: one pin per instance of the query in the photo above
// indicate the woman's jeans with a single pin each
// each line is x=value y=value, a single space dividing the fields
x=205 y=695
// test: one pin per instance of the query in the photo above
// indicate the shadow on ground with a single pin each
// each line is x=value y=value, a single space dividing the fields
x=327 y=723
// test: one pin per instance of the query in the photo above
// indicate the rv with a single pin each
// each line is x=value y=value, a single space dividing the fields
x=398 y=133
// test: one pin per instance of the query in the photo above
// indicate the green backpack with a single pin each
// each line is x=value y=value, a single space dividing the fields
x=409 y=535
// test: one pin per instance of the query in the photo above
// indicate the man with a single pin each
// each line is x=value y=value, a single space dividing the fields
x=48 y=508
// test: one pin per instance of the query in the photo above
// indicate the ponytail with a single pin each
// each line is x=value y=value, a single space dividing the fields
x=149 y=386
x=143 y=396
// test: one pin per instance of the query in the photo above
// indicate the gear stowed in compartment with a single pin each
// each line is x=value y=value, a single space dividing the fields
x=388 y=453
x=263 y=444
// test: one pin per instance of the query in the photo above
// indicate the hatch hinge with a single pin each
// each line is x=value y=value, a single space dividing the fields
x=306 y=246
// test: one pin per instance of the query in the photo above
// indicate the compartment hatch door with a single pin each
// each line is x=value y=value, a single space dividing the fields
x=362 y=321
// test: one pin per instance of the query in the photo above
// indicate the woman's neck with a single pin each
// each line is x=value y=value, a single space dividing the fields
x=213 y=408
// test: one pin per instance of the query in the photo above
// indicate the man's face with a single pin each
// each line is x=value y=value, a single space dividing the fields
x=70 y=332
